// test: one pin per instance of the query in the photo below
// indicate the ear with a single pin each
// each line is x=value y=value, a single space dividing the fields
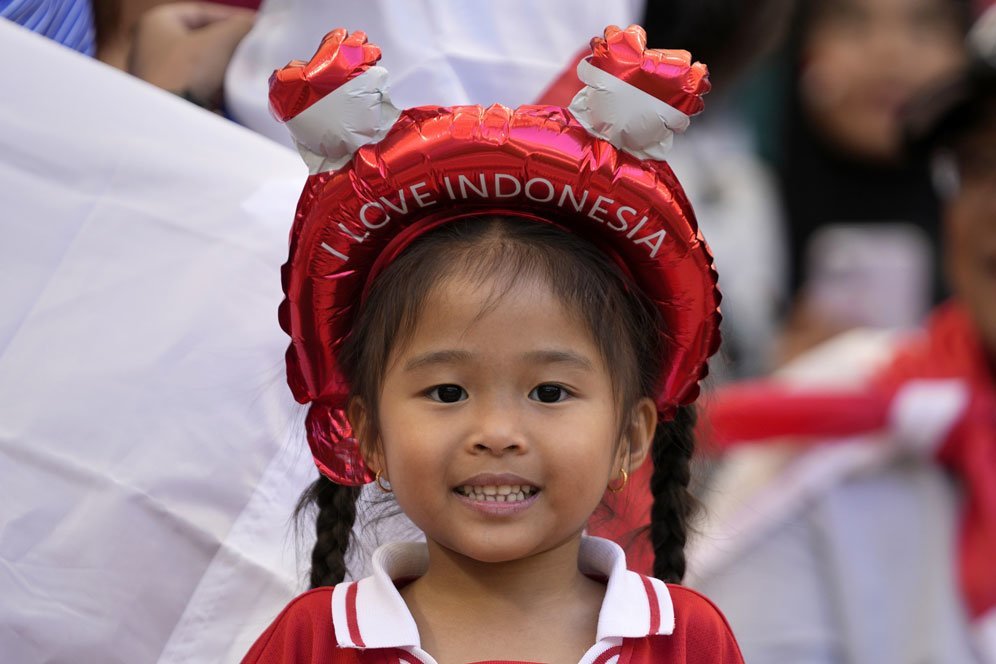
x=359 y=417
x=639 y=434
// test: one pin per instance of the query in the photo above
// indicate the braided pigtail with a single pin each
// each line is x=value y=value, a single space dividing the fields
x=673 y=504
x=336 y=506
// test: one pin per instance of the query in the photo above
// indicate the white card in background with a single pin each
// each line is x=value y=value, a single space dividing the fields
x=870 y=274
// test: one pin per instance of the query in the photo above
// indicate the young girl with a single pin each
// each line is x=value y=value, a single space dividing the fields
x=510 y=311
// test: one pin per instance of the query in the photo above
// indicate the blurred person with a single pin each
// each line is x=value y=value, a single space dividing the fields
x=869 y=533
x=185 y=48
x=181 y=47
x=124 y=25
x=862 y=218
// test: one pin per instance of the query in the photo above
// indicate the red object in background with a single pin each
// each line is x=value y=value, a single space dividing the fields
x=761 y=411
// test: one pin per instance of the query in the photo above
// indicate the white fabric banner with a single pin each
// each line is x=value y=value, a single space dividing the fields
x=150 y=453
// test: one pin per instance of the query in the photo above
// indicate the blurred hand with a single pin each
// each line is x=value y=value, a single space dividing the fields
x=185 y=47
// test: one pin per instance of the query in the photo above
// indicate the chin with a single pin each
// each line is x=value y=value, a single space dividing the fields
x=882 y=147
x=873 y=139
x=496 y=548
x=487 y=552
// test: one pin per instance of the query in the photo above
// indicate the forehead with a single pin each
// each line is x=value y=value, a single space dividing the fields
x=458 y=303
x=498 y=316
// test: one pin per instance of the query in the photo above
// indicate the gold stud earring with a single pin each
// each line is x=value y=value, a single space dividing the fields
x=380 y=484
x=622 y=482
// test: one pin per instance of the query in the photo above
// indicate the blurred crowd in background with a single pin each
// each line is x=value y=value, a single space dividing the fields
x=844 y=173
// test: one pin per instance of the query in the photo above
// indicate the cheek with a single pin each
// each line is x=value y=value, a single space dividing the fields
x=411 y=458
x=408 y=446
x=833 y=91
x=418 y=484
x=826 y=48
x=826 y=77
x=584 y=458
x=941 y=61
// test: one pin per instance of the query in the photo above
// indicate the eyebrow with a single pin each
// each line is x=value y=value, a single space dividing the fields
x=437 y=357
x=535 y=357
x=559 y=357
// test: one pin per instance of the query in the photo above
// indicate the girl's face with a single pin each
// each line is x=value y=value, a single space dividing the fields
x=865 y=59
x=498 y=422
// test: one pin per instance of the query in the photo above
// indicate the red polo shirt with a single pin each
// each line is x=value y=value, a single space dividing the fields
x=641 y=619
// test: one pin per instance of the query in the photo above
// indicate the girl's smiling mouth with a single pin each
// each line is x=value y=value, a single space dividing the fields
x=497 y=494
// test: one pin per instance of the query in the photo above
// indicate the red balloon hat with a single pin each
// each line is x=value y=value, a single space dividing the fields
x=381 y=177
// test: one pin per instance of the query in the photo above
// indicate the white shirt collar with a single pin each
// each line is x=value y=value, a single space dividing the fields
x=370 y=613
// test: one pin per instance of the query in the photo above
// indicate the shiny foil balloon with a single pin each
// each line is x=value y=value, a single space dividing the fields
x=381 y=177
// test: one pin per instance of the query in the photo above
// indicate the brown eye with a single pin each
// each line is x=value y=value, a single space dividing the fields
x=548 y=393
x=447 y=393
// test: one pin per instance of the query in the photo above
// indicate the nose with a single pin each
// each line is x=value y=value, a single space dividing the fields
x=498 y=430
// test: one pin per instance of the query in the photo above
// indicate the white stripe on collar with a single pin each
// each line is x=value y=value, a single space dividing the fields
x=635 y=605
x=371 y=613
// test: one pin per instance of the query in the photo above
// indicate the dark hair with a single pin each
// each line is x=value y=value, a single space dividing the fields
x=623 y=322
x=107 y=20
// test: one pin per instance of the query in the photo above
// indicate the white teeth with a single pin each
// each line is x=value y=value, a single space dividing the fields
x=500 y=494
